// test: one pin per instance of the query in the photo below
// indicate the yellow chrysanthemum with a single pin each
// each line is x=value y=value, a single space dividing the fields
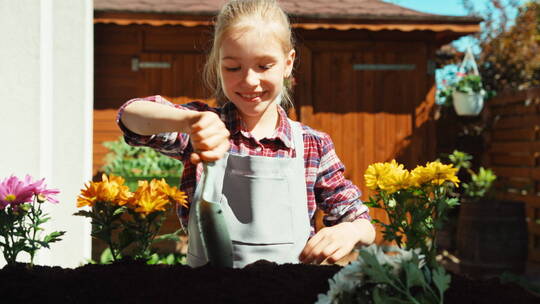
x=149 y=198
x=397 y=179
x=435 y=173
x=173 y=193
x=389 y=176
x=111 y=189
x=374 y=175
x=89 y=195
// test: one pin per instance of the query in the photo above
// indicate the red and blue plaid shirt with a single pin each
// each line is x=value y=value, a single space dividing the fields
x=327 y=188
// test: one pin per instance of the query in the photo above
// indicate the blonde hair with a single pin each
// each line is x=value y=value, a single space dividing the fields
x=234 y=15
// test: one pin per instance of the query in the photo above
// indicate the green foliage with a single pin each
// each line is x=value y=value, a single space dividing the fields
x=416 y=203
x=125 y=160
x=417 y=217
x=469 y=84
x=460 y=159
x=379 y=277
x=510 y=51
x=479 y=184
x=21 y=230
x=127 y=232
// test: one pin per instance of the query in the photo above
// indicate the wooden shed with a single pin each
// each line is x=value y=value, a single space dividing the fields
x=364 y=72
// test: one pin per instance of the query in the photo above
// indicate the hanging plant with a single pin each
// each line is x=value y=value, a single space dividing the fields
x=466 y=92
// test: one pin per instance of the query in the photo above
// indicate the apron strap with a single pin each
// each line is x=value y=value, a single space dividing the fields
x=298 y=138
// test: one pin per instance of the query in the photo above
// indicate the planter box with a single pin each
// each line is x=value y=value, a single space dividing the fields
x=261 y=282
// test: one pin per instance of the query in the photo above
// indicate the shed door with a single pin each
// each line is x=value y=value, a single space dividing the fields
x=367 y=97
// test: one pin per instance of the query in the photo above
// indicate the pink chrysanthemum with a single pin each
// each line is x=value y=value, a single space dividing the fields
x=14 y=191
x=43 y=193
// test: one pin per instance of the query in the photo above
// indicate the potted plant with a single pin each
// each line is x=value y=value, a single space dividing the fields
x=491 y=233
x=467 y=95
x=140 y=163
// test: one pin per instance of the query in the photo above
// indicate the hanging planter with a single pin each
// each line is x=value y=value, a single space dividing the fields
x=468 y=104
x=466 y=92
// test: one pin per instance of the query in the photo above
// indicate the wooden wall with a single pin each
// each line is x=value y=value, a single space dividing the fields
x=514 y=154
x=370 y=115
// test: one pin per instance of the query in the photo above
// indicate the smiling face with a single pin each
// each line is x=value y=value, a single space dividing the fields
x=253 y=65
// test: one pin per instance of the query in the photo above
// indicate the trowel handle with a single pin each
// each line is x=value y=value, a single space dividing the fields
x=209 y=175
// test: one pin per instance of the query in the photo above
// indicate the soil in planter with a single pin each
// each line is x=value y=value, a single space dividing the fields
x=261 y=282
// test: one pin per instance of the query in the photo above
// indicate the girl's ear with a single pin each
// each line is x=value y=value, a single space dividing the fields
x=289 y=63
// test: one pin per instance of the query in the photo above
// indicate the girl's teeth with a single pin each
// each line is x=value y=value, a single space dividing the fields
x=250 y=96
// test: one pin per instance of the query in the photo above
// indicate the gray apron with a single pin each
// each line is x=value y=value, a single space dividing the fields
x=264 y=202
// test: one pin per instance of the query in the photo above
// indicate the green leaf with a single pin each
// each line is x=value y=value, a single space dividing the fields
x=84 y=213
x=441 y=280
x=413 y=275
x=379 y=297
x=106 y=256
x=53 y=237
x=154 y=259
x=170 y=260
x=119 y=211
x=373 y=269
x=167 y=237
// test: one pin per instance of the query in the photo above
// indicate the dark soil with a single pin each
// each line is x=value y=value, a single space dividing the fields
x=262 y=282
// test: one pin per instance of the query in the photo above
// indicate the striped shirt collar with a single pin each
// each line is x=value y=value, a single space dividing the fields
x=233 y=122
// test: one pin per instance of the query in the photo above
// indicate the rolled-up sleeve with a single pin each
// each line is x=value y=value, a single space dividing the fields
x=337 y=196
x=173 y=144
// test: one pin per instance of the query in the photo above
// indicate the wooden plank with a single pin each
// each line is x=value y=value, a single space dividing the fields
x=514 y=96
x=512 y=147
x=113 y=39
x=530 y=200
x=524 y=134
x=112 y=64
x=523 y=172
x=531 y=213
x=366 y=46
x=516 y=121
x=173 y=39
x=535 y=230
x=534 y=256
x=527 y=186
x=500 y=159
x=520 y=108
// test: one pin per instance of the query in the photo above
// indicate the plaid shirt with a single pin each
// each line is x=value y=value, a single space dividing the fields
x=327 y=188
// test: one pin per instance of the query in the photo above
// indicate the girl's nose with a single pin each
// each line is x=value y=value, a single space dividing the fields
x=251 y=77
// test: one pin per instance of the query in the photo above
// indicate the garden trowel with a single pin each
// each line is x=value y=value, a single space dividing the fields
x=215 y=237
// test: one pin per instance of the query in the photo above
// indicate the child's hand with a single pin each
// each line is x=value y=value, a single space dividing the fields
x=333 y=243
x=209 y=137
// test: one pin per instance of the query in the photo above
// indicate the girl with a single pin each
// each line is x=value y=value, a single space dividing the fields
x=273 y=172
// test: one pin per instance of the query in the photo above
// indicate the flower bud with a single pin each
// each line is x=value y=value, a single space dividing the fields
x=392 y=203
x=41 y=198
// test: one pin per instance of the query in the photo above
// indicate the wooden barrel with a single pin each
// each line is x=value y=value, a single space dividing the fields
x=492 y=237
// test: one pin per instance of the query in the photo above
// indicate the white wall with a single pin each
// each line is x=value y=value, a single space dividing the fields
x=46 y=98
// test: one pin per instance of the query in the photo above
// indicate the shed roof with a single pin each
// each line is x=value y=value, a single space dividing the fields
x=308 y=14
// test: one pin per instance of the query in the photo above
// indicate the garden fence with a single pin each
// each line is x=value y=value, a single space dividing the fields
x=513 y=152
